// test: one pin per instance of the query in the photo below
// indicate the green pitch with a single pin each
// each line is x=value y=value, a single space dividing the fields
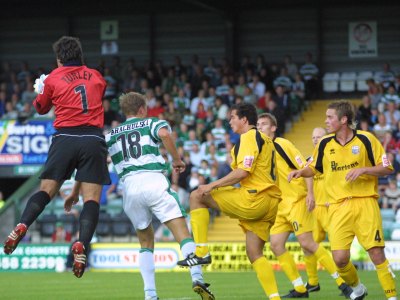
x=237 y=285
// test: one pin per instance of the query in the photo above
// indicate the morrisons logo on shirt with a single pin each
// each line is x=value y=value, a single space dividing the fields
x=336 y=167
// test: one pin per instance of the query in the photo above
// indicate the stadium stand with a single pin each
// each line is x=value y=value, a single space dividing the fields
x=361 y=80
x=330 y=82
x=347 y=82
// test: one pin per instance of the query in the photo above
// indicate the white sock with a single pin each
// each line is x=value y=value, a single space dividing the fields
x=298 y=282
x=147 y=269
x=187 y=247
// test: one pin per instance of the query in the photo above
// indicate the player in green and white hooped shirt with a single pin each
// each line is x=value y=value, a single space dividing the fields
x=134 y=149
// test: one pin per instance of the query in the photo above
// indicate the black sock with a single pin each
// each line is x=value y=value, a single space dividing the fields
x=34 y=207
x=88 y=222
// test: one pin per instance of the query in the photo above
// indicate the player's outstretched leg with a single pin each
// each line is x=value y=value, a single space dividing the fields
x=203 y=290
x=14 y=238
x=194 y=260
x=79 y=264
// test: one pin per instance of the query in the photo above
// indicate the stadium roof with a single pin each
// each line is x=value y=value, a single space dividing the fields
x=29 y=8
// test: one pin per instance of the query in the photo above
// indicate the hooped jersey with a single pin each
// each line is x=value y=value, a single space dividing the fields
x=335 y=160
x=289 y=159
x=134 y=146
x=76 y=92
x=255 y=153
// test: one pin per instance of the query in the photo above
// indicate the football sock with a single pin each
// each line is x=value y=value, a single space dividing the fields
x=349 y=274
x=324 y=257
x=199 y=219
x=266 y=277
x=386 y=278
x=36 y=204
x=188 y=246
x=147 y=270
x=311 y=269
x=289 y=267
x=88 y=222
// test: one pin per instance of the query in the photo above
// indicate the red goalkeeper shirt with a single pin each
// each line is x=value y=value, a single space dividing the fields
x=77 y=95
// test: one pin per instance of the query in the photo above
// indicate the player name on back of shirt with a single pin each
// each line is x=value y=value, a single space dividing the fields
x=72 y=76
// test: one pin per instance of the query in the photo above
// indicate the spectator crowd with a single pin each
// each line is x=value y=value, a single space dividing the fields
x=195 y=99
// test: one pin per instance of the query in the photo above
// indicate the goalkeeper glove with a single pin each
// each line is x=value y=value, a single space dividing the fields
x=39 y=84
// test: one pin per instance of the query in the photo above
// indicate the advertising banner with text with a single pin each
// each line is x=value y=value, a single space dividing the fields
x=25 y=143
x=124 y=257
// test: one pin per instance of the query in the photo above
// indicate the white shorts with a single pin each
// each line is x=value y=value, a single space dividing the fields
x=146 y=193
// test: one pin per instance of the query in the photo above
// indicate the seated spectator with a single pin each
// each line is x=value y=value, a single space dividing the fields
x=211 y=96
x=390 y=144
x=249 y=96
x=201 y=112
x=210 y=70
x=215 y=155
x=225 y=168
x=262 y=103
x=220 y=109
x=275 y=110
x=239 y=88
x=290 y=66
x=200 y=99
x=386 y=76
x=391 y=96
x=381 y=127
x=281 y=98
x=267 y=78
x=257 y=86
x=364 y=125
x=204 y=168
x=110 y=115
x=218 y=131
x=223 y=89
x=10 y=111
x=196 y=156
x=375 y=92
x=111 y=87
x=391 y=196
x=169 y=81
x=172 y=115
x=157 y=109
x=193 y=179
x=392 y=114
x=298 y=87
x=310 y=73
x=60 y=235
x=364 y=111
x=284 y=80
x=181 y=102
x=192 y=140
x=26 y=112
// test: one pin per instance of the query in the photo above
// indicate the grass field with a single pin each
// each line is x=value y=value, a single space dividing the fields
x=235 y=285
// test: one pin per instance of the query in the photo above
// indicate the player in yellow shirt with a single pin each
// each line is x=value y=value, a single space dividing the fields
x=320 y=213
x=254 y=203
x=351 y=161
x=294 y=214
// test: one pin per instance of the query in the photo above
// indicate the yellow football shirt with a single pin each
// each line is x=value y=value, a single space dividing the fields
x=335 y=161
x=320 y=196
x=288 y=159
x=255 y=153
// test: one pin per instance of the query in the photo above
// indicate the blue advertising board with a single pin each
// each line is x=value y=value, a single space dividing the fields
x=25 y=143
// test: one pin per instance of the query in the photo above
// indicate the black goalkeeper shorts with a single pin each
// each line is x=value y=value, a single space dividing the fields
x=80 y=148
